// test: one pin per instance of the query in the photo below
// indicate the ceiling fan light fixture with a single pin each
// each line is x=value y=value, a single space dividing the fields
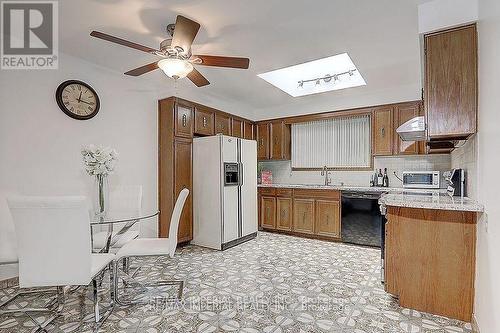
x=175 y=68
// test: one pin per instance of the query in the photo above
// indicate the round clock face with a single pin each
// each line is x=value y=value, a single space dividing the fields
x=77 y=99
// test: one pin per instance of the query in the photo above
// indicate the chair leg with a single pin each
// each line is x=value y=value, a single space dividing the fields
x=157 y=284
x=96 y=300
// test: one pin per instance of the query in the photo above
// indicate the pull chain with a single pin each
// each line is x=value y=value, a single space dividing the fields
x=175 y=88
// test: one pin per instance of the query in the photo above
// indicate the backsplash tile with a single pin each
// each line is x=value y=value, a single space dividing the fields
x=283 y=174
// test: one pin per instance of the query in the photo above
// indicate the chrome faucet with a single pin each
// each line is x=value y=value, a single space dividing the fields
x=325 y=172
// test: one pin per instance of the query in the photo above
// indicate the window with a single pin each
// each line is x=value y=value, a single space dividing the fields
x=342 y=142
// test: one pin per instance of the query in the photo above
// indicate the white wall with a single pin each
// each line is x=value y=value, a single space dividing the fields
x=40 y=145
x=439 y=14
x=487 y=304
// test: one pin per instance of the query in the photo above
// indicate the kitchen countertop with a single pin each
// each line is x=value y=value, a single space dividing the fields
x=441 y=201
x=351 y=188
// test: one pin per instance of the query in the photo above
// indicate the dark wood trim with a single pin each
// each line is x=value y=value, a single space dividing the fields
x=331 y=114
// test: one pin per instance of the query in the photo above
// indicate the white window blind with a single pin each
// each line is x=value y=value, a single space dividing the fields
x=342 y=142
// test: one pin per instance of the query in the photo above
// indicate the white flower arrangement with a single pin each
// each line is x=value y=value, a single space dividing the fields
x=98 y=160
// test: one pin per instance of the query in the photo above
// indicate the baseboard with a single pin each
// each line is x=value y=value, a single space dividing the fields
x=475 y=326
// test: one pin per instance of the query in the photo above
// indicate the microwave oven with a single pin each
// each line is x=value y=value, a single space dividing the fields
x=421 y=179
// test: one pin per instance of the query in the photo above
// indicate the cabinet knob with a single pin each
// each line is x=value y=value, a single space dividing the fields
x=204 y=121
x=382 y=131
x=184 y=120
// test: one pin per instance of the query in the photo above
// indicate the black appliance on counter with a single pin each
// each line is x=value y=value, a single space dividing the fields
x=362 y=222
x=456 y=182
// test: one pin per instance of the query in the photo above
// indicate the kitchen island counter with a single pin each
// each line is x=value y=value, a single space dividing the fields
x=441 y=201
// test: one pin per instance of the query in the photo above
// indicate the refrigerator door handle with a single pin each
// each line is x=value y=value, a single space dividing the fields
x=240 y=174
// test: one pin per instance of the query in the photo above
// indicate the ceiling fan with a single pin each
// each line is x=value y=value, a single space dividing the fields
x=177 y=59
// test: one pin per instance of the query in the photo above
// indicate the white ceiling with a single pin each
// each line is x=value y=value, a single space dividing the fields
x=380 y=36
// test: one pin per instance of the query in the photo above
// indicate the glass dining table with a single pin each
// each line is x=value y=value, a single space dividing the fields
x=121 y=221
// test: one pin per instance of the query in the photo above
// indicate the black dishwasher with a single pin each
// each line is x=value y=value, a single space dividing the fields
x=361 y=218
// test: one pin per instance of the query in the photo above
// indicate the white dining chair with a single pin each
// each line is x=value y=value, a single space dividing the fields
x=123 y=201
x=54 y=249
x=145 y=247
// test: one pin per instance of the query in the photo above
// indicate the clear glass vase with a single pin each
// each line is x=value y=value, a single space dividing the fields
x=101 y=196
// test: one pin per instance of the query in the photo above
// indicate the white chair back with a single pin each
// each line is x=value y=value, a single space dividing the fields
x=174 y=220
x=8 y=246
x=53 y=240
x=126 y=200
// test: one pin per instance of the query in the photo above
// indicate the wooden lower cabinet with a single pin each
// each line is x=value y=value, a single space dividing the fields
x=430 y=260
x=268 y=212
x=284 y=213
x=315 y=213
x=303 y=216
x=327 y=218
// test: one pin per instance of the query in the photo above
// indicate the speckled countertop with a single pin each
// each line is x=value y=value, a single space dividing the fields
x=397 y=196
x=440 y=201
x=350 y=188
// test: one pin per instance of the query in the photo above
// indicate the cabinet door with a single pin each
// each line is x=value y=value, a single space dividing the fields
x=303 y=216
x=276 y=134
x=328 y=218
x=222 y=124
x=451 y=82
x=268 y=212
x=284 y=213
x=183 y=179
x=203 y=121
x=262 y=141
x=403 y=113
x=237 y=128
x=248 y=130
x=382 y=131
x=184 y=120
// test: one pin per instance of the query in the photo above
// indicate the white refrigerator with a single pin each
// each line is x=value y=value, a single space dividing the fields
x=224 y=191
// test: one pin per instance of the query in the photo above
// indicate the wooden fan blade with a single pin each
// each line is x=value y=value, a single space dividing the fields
x=197 y=78
x=121 y=41
x=143 y=69
x=219 y=61
x=184 y=33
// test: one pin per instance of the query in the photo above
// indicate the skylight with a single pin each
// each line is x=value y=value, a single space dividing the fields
x=317 y=76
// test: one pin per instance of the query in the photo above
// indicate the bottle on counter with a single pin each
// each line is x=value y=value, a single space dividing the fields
x=380 y=178
x=385 y=180
x=373 y=180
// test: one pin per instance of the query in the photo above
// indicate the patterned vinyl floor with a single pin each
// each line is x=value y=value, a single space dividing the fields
x=274 y=283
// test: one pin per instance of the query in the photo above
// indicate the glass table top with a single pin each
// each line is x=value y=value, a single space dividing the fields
x=121 y=216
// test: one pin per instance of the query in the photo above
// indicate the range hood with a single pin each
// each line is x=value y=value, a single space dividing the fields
x=413 y=129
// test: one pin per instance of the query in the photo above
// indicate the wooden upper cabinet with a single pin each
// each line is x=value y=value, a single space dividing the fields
x=303 y=216
x=184 y=114
x=383 y=129
x=203 y=121
x=183 y=179
x=236 y=128
x=248 y=130
x=222 y=124
x=280 y=140
x=451 y=83
x=268 y=212
x=403 y=113
x=262 y=141
x=327 y=218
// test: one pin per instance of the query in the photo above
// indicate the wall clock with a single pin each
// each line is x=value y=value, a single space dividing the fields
x=77 y=99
